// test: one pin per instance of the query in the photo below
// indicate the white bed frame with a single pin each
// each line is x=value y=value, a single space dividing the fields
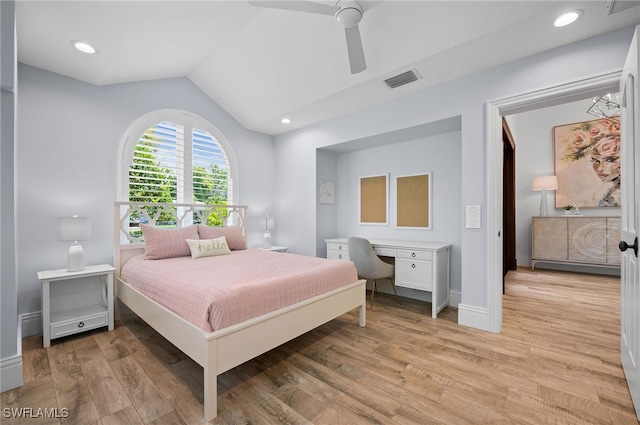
x=227 y=348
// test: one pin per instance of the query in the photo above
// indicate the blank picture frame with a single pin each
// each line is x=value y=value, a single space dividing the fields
x=413 y=201
x=374 y=199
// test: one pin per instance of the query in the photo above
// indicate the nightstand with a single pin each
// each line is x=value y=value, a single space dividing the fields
x=75 y=302
x=277 y=248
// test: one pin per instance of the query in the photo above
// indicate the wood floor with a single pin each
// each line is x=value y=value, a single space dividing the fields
x=556 y=362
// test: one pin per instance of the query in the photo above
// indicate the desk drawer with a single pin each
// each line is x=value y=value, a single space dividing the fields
x=338 y=247
x=335 y=255
x=414 y=274
x=418 y=255
x=385 y=252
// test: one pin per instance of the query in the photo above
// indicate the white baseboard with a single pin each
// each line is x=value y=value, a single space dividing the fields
x=11 y=367
x=474 y=317
x=11 y=373
x=31 y=323
x=455 y=298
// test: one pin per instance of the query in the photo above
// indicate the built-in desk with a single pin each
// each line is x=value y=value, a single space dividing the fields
x=419 y=265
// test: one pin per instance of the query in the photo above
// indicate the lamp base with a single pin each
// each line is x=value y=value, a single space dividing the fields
x=267 y=240
x=544 y=209
x=76 y=258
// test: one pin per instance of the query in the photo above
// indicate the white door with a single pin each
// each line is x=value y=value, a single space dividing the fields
x=630 y=200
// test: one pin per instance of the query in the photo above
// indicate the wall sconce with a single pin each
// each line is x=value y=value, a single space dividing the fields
x=544 y=183
x=267 y=223
x=74 y=229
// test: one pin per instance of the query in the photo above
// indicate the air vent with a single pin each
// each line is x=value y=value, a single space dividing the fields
x=616 y=6
x=402 y=79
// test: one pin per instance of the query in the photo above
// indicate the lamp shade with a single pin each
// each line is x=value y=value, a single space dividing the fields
x=74 y=228
x=544 y=183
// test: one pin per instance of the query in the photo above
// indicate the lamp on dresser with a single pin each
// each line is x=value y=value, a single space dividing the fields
x=74 y=229
x=544 y=183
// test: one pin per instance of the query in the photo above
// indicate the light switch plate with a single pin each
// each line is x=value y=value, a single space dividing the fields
x=473 y=216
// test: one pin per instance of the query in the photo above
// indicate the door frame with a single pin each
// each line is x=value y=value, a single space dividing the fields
x=494 y=111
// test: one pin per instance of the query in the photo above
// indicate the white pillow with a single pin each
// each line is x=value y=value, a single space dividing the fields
x=208 y=247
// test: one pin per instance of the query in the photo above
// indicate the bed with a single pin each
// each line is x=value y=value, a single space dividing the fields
x=225 y=343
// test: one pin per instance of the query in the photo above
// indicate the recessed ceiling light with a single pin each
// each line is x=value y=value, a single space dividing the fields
x=285 y=120
x=83 y=46
x=568 y=18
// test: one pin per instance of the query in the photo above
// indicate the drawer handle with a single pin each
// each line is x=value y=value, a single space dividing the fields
x=413 y=254
x=413 y=266
x=340 y=256
x=81 y=325
x=340 y=248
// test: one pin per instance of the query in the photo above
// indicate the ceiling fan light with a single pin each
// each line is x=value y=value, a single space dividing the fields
x=83 y=46
x=349 y=16
x=568 y=18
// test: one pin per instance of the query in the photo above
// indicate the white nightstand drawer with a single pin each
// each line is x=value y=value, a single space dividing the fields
x=79 y=324
x=418 y=255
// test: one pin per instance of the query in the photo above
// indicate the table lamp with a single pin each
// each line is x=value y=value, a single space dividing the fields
x=268 y=223
x=74 y=229
x=544 y=183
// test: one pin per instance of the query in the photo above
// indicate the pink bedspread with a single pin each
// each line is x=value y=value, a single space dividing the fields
x=216 y=292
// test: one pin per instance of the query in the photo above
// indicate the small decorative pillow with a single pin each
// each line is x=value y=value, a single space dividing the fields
x=208 y=247
x=167 y=243
x=233 y=234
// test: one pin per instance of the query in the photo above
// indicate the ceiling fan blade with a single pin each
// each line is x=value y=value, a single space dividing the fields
x=368 y=4
x=355 y=50
x=298 y=6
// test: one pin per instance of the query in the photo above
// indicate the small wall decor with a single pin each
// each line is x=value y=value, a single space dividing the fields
x=374 y=194
x=587 y=163
x=327 y=191
x=413 y=194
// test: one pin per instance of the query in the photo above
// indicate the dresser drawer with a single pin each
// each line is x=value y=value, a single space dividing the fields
x=79 y=324
x=415 y=274
x=418 y=255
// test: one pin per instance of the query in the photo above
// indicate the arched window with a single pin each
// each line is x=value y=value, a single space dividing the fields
x=172 y=156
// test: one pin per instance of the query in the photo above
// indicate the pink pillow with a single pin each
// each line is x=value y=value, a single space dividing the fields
x=166 y=243
x=233 y=234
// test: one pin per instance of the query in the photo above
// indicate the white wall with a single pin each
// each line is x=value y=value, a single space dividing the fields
x=68 y=138
x=466 y=97
x=441 y=156
x=10 y=349
x=533 y=134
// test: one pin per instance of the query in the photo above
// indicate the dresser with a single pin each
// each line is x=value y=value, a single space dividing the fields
x=424 y=266
x=588 y=241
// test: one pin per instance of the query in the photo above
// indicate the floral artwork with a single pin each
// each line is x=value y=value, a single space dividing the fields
x=587 y=161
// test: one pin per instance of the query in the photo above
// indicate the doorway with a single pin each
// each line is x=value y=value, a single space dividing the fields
x=495 y=110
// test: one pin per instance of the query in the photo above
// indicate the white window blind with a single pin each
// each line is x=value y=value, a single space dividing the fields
x=174 y=163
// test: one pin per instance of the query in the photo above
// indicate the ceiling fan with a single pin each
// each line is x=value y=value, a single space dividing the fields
x=347 y=12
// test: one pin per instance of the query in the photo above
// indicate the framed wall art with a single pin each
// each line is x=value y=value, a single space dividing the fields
x=327 y=192
x=413 y=193
x=374 y=199
x=587 y=163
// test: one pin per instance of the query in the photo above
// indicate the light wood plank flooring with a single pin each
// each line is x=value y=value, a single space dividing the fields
x=556 y=362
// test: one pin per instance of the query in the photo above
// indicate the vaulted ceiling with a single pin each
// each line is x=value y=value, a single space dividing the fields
x=262 y=64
